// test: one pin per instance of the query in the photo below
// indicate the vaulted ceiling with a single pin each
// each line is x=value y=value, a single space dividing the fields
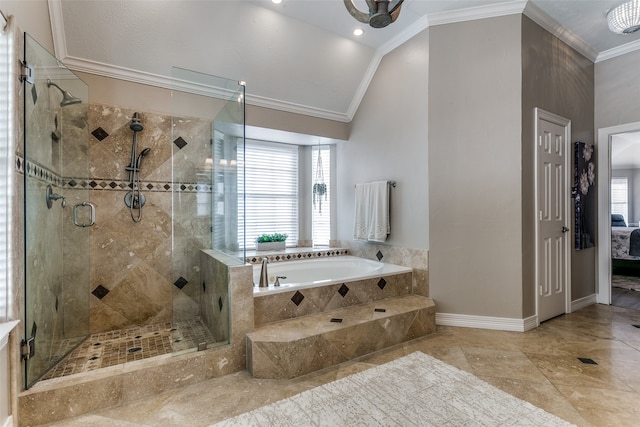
x=300 y=56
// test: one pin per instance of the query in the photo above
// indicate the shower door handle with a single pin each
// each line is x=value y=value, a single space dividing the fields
x=92 y=209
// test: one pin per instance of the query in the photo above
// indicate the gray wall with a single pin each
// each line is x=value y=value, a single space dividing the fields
x=389 y=141
x=557 y=79
x=617 y=91
x=475 y=167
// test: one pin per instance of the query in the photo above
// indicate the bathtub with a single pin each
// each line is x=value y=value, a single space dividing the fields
x=310 y=273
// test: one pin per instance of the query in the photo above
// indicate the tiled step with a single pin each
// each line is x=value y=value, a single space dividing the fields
x=295 y=347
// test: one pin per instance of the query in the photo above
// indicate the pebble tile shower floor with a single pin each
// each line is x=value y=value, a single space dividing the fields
x=126 y=345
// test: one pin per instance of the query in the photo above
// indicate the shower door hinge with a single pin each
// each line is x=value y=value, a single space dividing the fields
x=27 y=73
x=28 y=348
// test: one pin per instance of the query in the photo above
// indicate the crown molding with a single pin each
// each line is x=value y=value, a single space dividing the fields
x=479 y=12
x=57 y=28
x=143 y=77
x=619 y=51
x=541 y=18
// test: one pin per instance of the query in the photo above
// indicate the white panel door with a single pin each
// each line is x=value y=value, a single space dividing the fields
x=553 y=162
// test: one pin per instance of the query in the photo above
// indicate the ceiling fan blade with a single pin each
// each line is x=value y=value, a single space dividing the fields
x=395 y=12
x=353 y=10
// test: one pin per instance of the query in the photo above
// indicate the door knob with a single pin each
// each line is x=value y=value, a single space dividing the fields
x=564 y=229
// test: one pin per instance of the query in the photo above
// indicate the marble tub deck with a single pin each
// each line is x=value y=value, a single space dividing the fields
x=540 y=366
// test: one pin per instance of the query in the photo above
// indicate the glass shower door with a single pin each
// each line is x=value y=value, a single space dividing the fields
x=57 y=213
x=208 y=135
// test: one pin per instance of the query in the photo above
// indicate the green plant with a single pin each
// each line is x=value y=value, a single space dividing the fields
x=275 y=237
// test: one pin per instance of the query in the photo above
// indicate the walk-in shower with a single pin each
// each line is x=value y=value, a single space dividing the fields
x=134 y=199
x=123 y=290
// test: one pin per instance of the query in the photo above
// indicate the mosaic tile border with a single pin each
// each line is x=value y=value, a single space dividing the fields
x=293 y=255
x=41 y=173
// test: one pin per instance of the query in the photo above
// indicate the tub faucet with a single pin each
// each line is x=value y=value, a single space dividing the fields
x=277 y=282
x=264 y=276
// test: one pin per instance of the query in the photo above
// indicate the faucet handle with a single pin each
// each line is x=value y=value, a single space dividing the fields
x=277 y=282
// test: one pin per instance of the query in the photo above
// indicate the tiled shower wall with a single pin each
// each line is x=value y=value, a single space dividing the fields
x=137 y=277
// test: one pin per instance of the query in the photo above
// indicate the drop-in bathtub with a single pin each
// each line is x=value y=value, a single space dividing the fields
x=316 y=272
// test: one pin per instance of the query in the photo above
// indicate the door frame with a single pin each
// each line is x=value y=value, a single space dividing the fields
x=566 y=124
x=603 y=175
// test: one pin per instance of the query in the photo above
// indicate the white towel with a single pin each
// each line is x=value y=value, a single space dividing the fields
x=372 y=212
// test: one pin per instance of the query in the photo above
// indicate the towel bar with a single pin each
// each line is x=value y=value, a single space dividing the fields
x=391 y=183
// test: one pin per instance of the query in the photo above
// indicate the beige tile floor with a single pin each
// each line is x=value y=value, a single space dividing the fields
x=540 y=366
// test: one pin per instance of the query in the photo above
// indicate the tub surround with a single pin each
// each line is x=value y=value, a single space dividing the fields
x=417 y=259
x=289 y=304
x=301 y=330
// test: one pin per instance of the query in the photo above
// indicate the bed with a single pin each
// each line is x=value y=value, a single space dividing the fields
x=621 y=261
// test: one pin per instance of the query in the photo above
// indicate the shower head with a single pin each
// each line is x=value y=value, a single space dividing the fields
x=142 y=154
x=135 y=125
x=67 y=98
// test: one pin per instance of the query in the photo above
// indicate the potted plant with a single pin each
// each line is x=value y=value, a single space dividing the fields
x=271 y=242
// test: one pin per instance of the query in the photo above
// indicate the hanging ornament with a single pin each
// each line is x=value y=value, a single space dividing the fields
x=319 y=187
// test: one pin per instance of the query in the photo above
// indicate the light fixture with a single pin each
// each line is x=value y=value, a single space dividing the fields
x=381 y=13
x=625 y=19
x=358 y=32
x=276 y=1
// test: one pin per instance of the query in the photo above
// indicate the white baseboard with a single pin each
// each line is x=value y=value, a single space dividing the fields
x=584 y=302
x=486 y=322
x=8 y=422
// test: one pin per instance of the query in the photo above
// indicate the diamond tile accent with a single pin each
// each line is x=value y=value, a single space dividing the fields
x=34 y=94
x=180 y=143
x=335 y=320
x=220 y=303
x=297 y=298
x=181 y=282
x=100 y=292
x=382 y=283
x=56 y=305
x=636 y=326
x=99 y=133
x=379 y=255
x=380 y=310
x=204 y=286
x=587 y=361
x=344 y=290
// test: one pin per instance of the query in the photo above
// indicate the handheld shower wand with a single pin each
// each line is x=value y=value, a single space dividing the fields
x=134 y=199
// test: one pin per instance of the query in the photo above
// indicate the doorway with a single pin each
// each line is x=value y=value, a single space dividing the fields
x=604 y=264
x=618 y=258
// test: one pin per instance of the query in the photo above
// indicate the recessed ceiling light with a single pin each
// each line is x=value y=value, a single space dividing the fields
x=358 y=32
x=276 y=1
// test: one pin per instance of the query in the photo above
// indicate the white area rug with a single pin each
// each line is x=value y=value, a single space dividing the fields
x=626 y=282
x=415 y=390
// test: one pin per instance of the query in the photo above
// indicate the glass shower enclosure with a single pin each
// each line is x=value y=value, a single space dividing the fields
x=191 y=175
x=206 y=208
x=57 y=216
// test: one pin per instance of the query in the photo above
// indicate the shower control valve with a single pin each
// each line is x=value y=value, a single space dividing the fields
x=52 y=197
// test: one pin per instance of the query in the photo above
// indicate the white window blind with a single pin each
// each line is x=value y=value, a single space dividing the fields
x=271 y=191
x=619 y=197
x=321 y=221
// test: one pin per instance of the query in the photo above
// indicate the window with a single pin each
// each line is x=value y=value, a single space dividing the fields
x=271 y=191
x=321 y=173
x=619 y=197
